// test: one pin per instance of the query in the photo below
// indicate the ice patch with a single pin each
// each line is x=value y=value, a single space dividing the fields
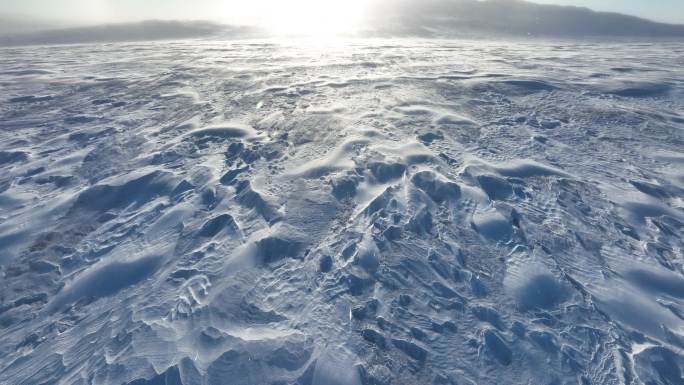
x=223 y=131
x=106 y=279
x=639 y=89
x=492 y=225
x=120 y=193
x=527 y=169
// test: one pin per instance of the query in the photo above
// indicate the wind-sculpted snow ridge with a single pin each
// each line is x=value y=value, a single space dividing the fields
x=377 y=212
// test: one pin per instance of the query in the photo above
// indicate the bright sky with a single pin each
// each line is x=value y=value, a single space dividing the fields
x=323 y=14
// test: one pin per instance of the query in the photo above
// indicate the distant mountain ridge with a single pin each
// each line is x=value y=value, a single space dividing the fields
x=509 y=18
x=136 y=31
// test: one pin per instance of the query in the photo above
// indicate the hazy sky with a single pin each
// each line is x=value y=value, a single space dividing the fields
x=245 y=11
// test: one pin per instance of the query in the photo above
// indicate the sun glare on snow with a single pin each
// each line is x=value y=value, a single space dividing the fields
x=312 y=17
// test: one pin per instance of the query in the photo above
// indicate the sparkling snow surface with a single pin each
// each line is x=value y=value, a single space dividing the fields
x=370 y=212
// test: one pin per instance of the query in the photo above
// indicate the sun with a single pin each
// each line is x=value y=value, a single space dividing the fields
x=314 y=18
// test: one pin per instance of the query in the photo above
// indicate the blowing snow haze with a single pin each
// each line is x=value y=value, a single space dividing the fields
x=341 y=192
x=121 y=21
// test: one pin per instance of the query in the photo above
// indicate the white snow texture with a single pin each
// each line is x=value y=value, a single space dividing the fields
x=400 y=211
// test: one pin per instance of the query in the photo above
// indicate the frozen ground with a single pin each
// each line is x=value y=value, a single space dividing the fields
x=375 y=212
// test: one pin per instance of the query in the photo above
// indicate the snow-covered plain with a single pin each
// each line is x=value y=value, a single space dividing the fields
x=369 y=212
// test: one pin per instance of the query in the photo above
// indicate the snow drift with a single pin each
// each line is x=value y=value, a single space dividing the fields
x=417 y=211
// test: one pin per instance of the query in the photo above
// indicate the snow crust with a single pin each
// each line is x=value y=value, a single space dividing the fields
x=371 y=212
